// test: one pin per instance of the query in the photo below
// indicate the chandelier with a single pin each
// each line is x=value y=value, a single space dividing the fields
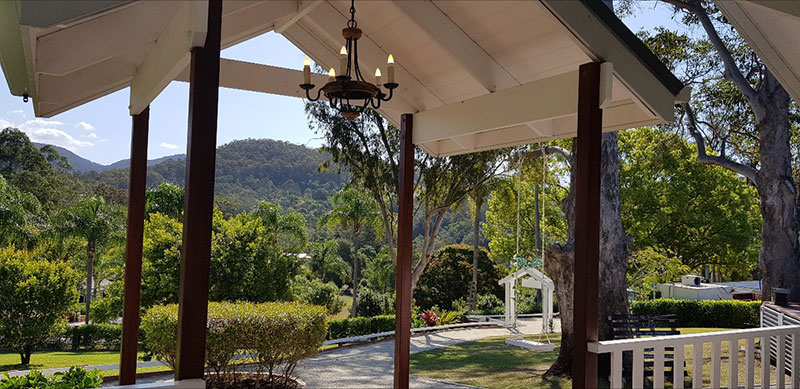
x=349 y=92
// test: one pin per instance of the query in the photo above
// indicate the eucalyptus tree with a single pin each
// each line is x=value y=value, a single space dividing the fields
x=740 y=118
x=99 y=225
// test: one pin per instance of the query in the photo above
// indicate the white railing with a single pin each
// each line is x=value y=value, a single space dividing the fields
x=656 y=346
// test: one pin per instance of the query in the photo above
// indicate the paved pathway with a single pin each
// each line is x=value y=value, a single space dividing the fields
x=371 y=366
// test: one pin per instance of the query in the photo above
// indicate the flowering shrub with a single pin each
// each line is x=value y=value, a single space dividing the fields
x=276 y=336
x=430 y=318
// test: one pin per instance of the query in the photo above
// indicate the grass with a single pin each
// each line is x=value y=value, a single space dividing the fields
x=345 y=312
x=489 y=363
x=51 y=359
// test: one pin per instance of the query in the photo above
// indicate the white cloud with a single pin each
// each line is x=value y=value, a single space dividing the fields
x=90 y=136
x=85 y=126
x=47 y=131
x=18 y=112
x=168 y=145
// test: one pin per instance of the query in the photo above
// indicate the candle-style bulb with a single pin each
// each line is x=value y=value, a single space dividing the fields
x=390 y=69
x=378 y=76
x=343 y=61
x=331 y=75
x=343 y=51
x=391 y=59
x=306 y=70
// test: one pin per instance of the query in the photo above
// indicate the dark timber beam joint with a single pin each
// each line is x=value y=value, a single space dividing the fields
x=587 y=226
x=199 y=203
x=405 y=202
x=133 y=248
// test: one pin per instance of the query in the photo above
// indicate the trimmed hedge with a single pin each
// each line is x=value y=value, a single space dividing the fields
x=95 y=336
x=276 y=335
x=356 y=326
x=705 y=313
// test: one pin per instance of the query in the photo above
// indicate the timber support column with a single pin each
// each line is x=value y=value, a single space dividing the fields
x=405 y=202
x=133 y=248
x=587 y=226
x=199 y=204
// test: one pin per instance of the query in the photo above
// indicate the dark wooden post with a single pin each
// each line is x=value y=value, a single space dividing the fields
x=587 y=226
x=133 y=248
x=405 y=202
x=199 y=205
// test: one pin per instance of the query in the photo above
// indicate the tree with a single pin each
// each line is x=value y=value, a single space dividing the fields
x=35 y=295
x=648 y=267
x=21 y=217
x=99 y=225
x=161 y=260
x=682 y=209
x=324 y=260
x=353 y=210
x=254 y=256
x=739 y=118
x=378 y=272
x=166 y=199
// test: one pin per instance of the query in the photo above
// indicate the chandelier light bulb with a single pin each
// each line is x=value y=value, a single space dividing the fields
x=378 y=76
x=390 y=60
x=343 y=61
x=306 y=61
x=306 y=70
x=332 y=74
x=390 y=69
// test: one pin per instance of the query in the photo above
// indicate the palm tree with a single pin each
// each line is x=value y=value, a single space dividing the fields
x=352 y=210
x=325 y=260
x=99 y=224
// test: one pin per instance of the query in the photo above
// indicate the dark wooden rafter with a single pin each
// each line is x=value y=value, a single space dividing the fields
x=405 y=200
x=133 y=248
x=199 y=203
x=587 y=226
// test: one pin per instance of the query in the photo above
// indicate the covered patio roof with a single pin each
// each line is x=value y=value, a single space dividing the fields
x=771 y=28
x=478 y=75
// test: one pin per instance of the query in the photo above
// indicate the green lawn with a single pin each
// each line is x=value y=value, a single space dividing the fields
x=490 y=363
x=345 y=312
x=50 y=359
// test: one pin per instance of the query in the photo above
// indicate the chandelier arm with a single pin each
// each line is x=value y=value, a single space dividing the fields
x=376 y=106
x=308 y=95
x=391 y=93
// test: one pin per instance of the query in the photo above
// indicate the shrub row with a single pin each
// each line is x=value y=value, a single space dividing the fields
x=274 y=335
x=95 y=336
x=356 y=326
x=706 y=313
x=74 y=378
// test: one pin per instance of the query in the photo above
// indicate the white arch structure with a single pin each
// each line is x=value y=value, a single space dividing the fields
x=531 y=278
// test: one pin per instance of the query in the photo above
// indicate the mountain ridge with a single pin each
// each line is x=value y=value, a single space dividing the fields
x=85 y=165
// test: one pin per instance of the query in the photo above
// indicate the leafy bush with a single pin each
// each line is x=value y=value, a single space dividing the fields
x=324 y=294
x=372 y=303
x=109 y=307
x=35 y=296
x=276 y=335
x=706 y=313
x=449 y=317
x=356 y=326
x=74 y=378
x=95 y=336
x=449 y=275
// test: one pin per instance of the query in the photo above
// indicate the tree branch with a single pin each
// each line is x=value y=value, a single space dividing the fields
x=546 y=150
x=704 y=158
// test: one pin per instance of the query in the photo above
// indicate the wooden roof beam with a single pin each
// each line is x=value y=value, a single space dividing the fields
x=476 y=61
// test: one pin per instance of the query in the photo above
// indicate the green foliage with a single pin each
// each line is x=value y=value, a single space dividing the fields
x=74 y=378
x=324 y=260
x=109 y=307
x=704 y=313
x=448 y=277
x=35 y=295
x=95 y=336
x=683 y=209
x=161 y=260
x=488 y=304
x=166 y=199
x=324 y=294
x=254 y=256
x=378 y=274
x=275 y=335
x=21 y=216
x=372 y=303
x=647 y=267
x=357 y=326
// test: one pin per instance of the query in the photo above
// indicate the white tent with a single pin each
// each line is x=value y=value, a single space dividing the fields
x=531 y=278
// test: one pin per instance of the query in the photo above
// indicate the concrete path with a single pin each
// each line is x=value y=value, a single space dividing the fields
x=372 y=366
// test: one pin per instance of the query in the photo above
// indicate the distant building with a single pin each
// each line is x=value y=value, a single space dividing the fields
x=691 y=287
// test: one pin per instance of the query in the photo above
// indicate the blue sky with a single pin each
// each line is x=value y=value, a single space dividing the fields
x=100 y=130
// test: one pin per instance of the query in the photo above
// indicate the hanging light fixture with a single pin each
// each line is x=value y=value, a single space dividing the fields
x=349 y=92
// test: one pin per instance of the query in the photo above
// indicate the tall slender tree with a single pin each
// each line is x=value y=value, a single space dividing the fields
x=99 y=225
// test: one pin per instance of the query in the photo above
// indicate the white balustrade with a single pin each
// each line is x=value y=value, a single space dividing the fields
x=786 y=359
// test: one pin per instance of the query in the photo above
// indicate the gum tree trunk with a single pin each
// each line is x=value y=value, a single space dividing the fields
x=89 y=277
x=614 y=244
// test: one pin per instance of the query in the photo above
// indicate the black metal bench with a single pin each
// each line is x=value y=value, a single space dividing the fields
x=644 y=326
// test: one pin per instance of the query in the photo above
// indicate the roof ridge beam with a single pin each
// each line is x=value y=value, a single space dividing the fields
x=450 y=37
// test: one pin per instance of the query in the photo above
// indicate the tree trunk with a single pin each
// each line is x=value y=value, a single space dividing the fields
x=356 y=268
x=25 y=356
x=476 y=229
x=89 y=277
x=614 y=245
x=779 y=256
x=537 y=222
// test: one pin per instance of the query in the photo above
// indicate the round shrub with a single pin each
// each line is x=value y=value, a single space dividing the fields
x=372 y=303
x=320 y=293
x=276 y=335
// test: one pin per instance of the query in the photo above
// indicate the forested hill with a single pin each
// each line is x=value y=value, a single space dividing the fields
x=249 y=171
